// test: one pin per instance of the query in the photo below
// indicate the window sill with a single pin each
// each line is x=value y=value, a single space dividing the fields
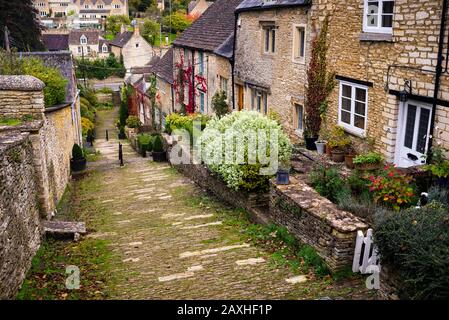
x=299 y=60
x=375 y=37
x=353 y=131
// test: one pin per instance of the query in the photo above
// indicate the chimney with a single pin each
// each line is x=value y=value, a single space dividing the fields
x=136 y=29
x=122 y=29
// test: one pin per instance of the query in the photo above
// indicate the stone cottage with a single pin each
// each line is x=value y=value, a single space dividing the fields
x=163 y=70
x=202 y=58
x=136 y=51
x=271 y=57
x=88 y=43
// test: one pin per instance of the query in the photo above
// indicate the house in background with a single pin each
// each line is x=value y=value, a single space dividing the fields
x=136 y=51
x=196 y=8
x=271 y=57
x=87 y=43
x=205 y=51
x=56 y=41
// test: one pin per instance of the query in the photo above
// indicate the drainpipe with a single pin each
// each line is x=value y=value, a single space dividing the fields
x=233 y=60
x=438 y=72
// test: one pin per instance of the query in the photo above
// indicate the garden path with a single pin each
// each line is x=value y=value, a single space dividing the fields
x=171 y=241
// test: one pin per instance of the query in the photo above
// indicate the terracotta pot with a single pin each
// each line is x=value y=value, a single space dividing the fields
x=328 y=150
x=368 y=166
x=349 y=158
x=338 y=155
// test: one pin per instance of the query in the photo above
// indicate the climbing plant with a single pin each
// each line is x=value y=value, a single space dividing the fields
x=185 y=79
x=320 y=82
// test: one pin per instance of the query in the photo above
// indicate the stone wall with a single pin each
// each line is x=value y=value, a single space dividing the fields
x=20 y=229
x=316 y=221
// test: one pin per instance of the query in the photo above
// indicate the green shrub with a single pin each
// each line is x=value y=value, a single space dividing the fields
x=415 y=242
x=220 y=104
x=243 y=176
x=158 y=145
x=86 y=112
x=87 y=126
x=439 y=194
x=145 y=142
x=328 y=183
x=133 y=122
x=178 y=121
x=439 y=164
x=123 y=113
x=77 y=152
x=311 y=259
x=368 y=158
x=88 y=96
x=100 y=68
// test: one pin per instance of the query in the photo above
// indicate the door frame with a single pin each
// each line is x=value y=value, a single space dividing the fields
x=240 y=93
x=400 y=134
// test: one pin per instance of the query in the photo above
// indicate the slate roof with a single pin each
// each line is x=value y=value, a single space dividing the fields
x=56 y=42
x=164 y=68
x=121 y=39
x=250 y=5
x=210 y=31
x=147 y=68
x=92 y=36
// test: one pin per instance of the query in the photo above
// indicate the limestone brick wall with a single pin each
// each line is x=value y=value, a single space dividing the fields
x=137 y=52
x=411 y=53
x=165 y=98
x=282 y=76
x=20 y=229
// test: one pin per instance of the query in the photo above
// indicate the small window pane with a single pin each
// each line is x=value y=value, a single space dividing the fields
x=267 y=40
x=302 y=36
x=300 y=116
x=387 y=7
x=359 y=122
x=360 y=108
x=273 y=40
x=360 y=94
x=372 y=21
x=410 y=126
x=373 y=7
x=347 y=91
x=346 y=104
x=345 y=117
x=422 y=130
x=387 y=21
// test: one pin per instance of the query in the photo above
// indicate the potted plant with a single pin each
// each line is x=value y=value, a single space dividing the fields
x=368 y=161
x=159 y=154
x=133 y=124
x=283 y=173
x=144 y=143
x=349 y=158
x=439 y=167
x=339 y=143
x=78 y=161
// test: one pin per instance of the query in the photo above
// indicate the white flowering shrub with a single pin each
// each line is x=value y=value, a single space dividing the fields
x=245 y=148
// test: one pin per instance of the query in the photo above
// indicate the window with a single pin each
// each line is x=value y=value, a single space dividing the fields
x=80 y=50
x=223 y=84
x=259 y=101
x=88 y=50
x=83 y=39
x=201 y=62
x=269 y=39
x=353 y=107
x=116 y=6
x=86 y=6
x=378 y=16
x=202 y=99
x=299 y=43
x=104 y=48
x=137 y=45
x=299 y=117
x=99 y=6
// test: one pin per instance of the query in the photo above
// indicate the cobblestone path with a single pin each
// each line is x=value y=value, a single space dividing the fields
x=167 y=244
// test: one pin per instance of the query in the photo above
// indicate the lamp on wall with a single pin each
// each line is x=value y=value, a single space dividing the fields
x=405 y=94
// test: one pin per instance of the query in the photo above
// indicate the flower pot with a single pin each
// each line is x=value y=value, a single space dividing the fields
x=368 y=166
x=349 y=158
x=283 y=177
x=159 y=156
x=338 y=155
x=78 y=164
x=328 y=150
x=310 y=143
x=320 y=147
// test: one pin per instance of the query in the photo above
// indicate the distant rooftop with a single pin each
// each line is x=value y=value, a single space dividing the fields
x=250 y=5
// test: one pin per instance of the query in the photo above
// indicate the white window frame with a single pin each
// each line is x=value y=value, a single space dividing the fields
x=379 y=28
x=299 y=131
x=103 y=48
x=351 y=128
x=295 y=43
x=83 y=39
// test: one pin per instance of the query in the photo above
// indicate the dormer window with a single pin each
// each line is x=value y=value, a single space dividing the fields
x=83 y=39
x=104 y=48
x=378 y=16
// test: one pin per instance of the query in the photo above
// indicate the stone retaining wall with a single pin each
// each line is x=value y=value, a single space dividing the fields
x=316 y=221
x=20 y=229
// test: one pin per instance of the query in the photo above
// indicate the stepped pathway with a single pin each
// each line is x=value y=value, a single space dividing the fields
x=167 y=246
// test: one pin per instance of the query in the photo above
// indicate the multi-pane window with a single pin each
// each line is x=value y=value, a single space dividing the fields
x=201 y=62
x=202 y=101
x=378 y=16
x=83 y=39
x=269 y=39
x=116 y=6
x=223 y=84
x=259 y=101
x=353 y=107
x=105 y=48
x=100 y=6
x=299 y=117
x=299 y=43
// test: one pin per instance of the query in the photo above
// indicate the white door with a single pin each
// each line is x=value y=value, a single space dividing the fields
x=414 y=134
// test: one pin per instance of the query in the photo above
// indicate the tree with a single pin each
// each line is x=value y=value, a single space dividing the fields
x=144 y=4
x=150 y=30
x=179 y=21
x=114 y=23
x=23 y=24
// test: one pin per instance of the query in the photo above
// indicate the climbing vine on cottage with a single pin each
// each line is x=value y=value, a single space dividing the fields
x=187 y=79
